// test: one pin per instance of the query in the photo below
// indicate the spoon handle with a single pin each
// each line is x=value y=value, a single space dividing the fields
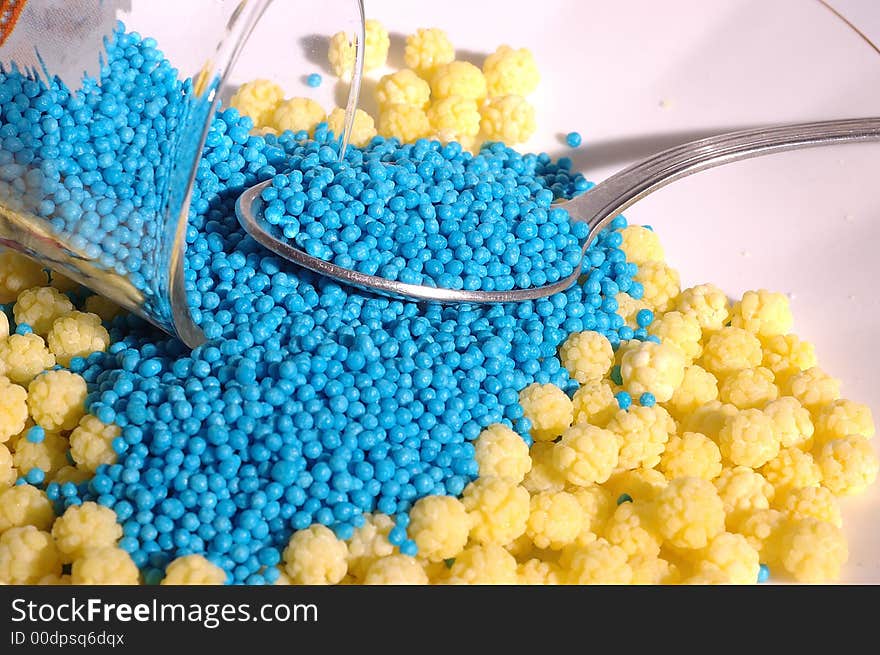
x=606 y=200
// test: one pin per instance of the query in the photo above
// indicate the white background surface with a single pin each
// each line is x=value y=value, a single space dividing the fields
x=636 y=76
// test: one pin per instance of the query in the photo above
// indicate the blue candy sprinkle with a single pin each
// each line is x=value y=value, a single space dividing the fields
x=647 y=399
x=624 y=400
x=314 y=80
x=35 y=434
x=763 y=573
x=573 y=139
x=35 y=476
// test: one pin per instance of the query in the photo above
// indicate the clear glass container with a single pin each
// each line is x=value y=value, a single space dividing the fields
x=96 y=168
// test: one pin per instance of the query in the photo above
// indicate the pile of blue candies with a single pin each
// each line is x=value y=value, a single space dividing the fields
x=422 y=217
x=313 y=402
x=98 y=165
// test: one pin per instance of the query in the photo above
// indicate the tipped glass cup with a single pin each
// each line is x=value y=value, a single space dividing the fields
x=68 y=216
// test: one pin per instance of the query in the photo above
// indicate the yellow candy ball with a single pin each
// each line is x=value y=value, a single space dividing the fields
x=593 y=403
x=599 y=563
x=707 y=303
x=369 y=543
x=689 y=513
x=76 y=334
x=587 y=356
x=406 y=122
x=793 y=423
x=742 y=491
x=641 y=245
x=643 y=433
x=439 y=525
x=488 y=564
x=315 y=556
x=749 y=438
x=586 y=454
x=730 y=349
x=555 y=519
x=8 y=472
x=849 y=465
x=18 y=273
x=691 y=454
x=455 y=115
x=403 y=87
x=749 y=388
x=841 y=418
x=498 y=510
x=734 y=556
x=396 y=570
x=27 y=555
x=49 y=455
x=23 y=356
x=56 y=400
x=458 y=78
x=680 y=330
x=23 y=505
x=39 y=307
x=376 y=44
x=631 y=528
x=813 y=551
x=257 y=99
x=510 y=71
x=426 y=50
x=763 y=313
x=762 y=528
x=13 y=409
x=811 y=502
x=656 y=368
x=662 y=285
x=791 y=469
x=543 y=476
x=813 y=388
x=91 y=443
x=501 y=453
x=298 y=114
x=363 y=129
x=341 y=52
x=697 y=388
x=786 y=355
x=509 y=119
x=193 y=570
x=85 y=527
x=548 y=408
x=105 y=566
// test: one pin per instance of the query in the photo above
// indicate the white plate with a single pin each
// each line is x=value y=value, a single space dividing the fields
x=636 y=76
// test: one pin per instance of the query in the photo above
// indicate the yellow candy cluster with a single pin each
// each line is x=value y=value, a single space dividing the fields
x=34 y=544
x=363 y=128
x=42 y=411
x=439 y=97
x=435 y=96
x=258 y=99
